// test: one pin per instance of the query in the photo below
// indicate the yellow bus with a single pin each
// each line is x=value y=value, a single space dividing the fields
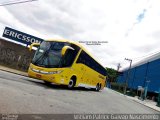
x=65 y=62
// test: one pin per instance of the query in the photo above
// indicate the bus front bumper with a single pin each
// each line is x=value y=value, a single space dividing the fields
x=53 y=78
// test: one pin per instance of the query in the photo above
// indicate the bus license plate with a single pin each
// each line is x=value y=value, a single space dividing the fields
x=38 y=75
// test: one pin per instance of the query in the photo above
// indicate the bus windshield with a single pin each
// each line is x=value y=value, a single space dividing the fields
x=48 y=54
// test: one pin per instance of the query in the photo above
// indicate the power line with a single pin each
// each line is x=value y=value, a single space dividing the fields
x=16 y=2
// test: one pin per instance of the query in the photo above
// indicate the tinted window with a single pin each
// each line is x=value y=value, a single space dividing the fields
x=70 y=56
x=85 y=59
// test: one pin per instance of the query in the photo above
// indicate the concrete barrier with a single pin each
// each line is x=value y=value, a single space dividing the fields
x=14 y=55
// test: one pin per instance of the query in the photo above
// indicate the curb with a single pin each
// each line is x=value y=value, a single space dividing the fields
x=11 y=71
x=154 y=107
x=137 y=100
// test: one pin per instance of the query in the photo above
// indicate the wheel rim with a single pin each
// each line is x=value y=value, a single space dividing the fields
x=70 y=85
x=97 y=87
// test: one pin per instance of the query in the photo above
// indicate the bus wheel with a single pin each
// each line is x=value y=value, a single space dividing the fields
x=98 y=87
x=72 y=82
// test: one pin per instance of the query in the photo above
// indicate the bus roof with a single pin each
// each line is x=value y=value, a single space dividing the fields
x=76 y=43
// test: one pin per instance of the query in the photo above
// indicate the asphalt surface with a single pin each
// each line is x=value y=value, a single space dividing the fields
x=23 y=95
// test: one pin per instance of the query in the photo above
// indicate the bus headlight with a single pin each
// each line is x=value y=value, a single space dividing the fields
x=55 y=72
x=45 y=72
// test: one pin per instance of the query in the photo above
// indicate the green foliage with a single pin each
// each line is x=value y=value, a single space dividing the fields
x=112 y=74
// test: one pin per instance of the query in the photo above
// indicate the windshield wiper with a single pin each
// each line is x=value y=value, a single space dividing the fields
x=45 y=54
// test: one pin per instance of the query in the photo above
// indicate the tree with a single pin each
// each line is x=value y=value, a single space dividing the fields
x=112 y=74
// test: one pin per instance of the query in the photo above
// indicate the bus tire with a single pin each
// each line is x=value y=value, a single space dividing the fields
x=72 y=82
x=100 y=87
x=97 y=87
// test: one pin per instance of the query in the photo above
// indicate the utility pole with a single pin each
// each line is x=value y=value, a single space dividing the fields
x=118 y=67
x=126 y=82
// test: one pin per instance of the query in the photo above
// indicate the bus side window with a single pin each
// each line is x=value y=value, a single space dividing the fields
x=70 y=56
x=85 y=59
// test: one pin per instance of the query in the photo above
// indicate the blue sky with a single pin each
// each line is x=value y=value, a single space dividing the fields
x=141 y=16
x=131 y=27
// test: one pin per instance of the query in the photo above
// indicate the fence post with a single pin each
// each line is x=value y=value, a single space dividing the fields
x=158 y=102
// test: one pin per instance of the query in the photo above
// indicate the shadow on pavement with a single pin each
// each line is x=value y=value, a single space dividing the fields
x=58 y=87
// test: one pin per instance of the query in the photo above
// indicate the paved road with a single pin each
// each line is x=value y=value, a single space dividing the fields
x=19 y=94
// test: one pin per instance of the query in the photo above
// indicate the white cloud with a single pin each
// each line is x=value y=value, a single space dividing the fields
x=114 y=21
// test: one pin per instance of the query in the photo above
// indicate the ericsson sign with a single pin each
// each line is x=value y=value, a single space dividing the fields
x=20 y=36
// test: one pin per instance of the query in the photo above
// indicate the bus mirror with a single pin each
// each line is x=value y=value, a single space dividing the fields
x=33 y=44
x=64 y=49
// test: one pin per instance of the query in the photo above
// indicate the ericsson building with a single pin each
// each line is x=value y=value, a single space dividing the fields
x=145 y=74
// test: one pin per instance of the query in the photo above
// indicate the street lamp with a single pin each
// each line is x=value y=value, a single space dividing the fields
x=126 y=82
